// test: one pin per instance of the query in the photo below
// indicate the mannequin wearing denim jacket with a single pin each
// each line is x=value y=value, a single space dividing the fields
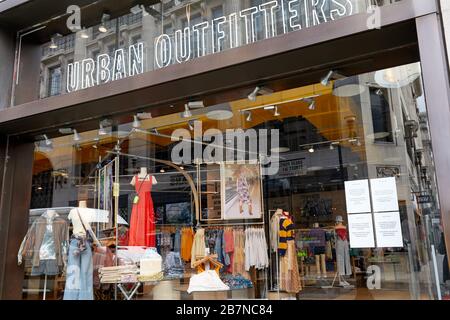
x=80 y=269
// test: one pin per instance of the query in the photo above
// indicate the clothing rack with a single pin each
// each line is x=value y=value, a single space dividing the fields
x=230 y=224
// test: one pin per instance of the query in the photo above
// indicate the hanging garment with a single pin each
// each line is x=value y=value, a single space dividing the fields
x=275 y=230
x=328 y=248
x=177 y=241
x=79 y=279
x=142 y=226
x=45 y=244
x=239 y=253
x=187 y=238
x=289 y=274
x=198 y=246
x=344 y=266
x=256 y=251
x=286 y=234
x=229 y=247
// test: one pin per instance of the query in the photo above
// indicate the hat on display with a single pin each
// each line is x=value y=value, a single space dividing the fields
x=339 y=219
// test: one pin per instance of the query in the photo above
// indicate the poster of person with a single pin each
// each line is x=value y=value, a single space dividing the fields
x=241 y=194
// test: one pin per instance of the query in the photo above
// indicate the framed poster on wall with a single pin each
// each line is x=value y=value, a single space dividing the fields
x=241 y=191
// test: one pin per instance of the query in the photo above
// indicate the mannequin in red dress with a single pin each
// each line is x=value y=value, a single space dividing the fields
x=142 y=231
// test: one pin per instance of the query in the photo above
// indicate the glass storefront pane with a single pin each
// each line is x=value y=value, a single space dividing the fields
x=346 y=165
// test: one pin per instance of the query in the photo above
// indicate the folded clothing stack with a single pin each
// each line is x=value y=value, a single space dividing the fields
x=119 y=274
x=150 y=278
x=236 y=282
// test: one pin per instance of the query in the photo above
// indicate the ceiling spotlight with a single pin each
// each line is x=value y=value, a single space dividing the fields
x=276 y=113
x=252 y=96
x=311 y=149
x=154 y=131
x=76 y=136
x=84 y=34
x=53 y=44
x=259 y=91
x=136 y=122
x=181 y=168
x=191 y=125
x=325 y=81
x=334 y=144
x=48 y=142
x=102 y=131
x=187 y=112
x=162 y=170
x=379 y=92
x=312 y=105
x=103 y=28
x=249 y=116
x=358 y=143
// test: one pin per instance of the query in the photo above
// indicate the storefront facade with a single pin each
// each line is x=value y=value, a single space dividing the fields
x=303 y=143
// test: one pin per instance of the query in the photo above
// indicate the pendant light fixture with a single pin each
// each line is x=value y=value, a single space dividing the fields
x=220 y=112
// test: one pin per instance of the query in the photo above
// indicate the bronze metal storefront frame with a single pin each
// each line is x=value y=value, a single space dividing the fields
x=410 y=32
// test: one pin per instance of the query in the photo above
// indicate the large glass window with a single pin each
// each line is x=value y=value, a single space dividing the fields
x=315 y=204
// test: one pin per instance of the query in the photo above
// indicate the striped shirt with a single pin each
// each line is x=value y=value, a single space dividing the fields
x=286 y=233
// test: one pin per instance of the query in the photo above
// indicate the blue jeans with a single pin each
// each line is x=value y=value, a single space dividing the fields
x=79 y=275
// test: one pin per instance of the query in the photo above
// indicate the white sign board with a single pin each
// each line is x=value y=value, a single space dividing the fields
x=388 y=230
x=384 y=194
x=357 y=196
x=361 y=230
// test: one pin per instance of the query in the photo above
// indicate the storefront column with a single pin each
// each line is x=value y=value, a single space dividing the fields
x=6 y=67
x=437 y=94
x=14 y=213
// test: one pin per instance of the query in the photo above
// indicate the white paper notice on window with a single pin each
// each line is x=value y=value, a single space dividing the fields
x=357 y=196
x=361 y=230
x=384 y=194
x=388 y=230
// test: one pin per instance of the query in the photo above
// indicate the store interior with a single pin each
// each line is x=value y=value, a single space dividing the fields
x=274 y=236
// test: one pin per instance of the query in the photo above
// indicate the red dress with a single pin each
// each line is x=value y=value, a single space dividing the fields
x=142 y=225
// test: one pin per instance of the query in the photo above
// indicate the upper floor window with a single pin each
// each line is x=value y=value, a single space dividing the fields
x=381 y=116
x=54 y=81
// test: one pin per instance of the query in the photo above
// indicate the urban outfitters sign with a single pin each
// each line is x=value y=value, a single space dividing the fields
x=240 y=28
x=89 y=72
x=208 y=37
